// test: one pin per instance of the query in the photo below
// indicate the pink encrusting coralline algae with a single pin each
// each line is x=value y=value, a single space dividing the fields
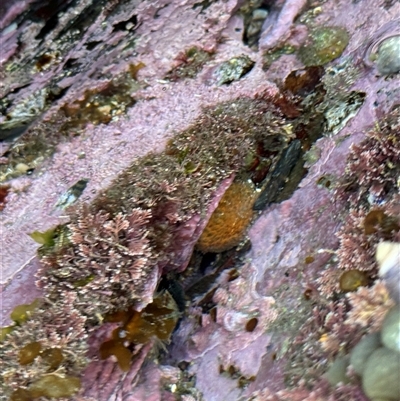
x=123 y=125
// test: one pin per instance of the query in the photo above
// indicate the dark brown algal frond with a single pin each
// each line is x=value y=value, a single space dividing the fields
x=53 y=339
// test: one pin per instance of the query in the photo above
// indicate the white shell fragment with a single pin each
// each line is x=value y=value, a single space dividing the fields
x=387 y=256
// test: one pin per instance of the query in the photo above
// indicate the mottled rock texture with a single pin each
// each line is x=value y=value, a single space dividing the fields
x=118 y=61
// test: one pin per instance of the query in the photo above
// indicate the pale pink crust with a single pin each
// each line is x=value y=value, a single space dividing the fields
x=279 y=28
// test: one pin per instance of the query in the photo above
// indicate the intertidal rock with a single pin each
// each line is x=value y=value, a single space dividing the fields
x=97 y=95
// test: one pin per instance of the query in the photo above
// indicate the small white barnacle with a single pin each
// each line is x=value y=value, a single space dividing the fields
x=122 y=333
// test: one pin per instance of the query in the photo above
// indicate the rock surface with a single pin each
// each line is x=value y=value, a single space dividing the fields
x=51 y=57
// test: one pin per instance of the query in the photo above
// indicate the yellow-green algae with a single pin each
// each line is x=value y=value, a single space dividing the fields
x=324 y=44
x=21 y=313
x=52 y=386
x=43 y=238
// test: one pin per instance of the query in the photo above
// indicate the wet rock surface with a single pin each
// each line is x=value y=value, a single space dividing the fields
x=89 y=87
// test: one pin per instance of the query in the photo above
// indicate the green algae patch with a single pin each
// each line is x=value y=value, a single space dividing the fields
x=233 y=69
x=323 y=45
x=43 y=238
x=5 y=331
x=52 y=240
x=28 y=153
x=21 y=313
x=103 y=105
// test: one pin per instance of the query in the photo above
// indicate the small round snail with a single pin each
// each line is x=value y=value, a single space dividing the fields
x=382 y=51
x=388 y=258
x=388 y=57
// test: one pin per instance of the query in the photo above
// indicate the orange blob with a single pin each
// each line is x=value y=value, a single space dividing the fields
x=230 y=219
